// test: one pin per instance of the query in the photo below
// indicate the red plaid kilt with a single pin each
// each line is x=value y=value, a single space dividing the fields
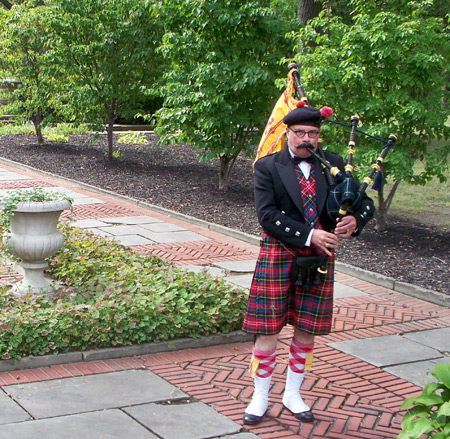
x=273 y=301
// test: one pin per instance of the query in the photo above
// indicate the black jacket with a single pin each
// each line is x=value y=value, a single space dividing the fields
x=279 y=203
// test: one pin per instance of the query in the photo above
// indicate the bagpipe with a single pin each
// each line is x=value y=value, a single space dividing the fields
x=345 y=195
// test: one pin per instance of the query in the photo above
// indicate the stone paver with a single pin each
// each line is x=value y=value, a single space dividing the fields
x=12 y=176
x=131 y=220
x=130 y=240
x=107 y=424
x=237 y=266
x=163 y=227
x=243 y=281
x=85 y=394
x=239 y=436
x=128 y=229
x=213 y=271
x=387 y=350
x=188 y=421
x=90 y=224
x=341 y=291
x=437 y=338
x=417 y=373
x=10 y=411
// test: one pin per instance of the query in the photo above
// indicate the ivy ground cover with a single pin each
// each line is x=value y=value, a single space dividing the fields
x=111 y=296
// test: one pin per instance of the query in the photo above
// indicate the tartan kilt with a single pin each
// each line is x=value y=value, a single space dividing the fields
x=273 y=301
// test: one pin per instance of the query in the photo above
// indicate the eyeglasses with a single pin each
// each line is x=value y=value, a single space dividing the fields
x=301 y=133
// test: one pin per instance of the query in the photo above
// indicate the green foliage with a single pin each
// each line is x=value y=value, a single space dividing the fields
x=53 y=136
x=390 y=63
x=34 y=195
x=107 y=52
x=225 y=59
x=16 y=128
x=61 y=129
x=133 y=138
x=24 y=42
x=66 y=129
x=112 y=296
x=430 y=412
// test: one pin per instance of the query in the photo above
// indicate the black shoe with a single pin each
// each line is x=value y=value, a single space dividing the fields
x=303 y=416
x=252 y=419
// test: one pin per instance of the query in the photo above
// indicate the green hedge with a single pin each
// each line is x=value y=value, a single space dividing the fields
x=112 y=296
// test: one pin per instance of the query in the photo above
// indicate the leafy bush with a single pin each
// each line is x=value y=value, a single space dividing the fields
x=133 y=138
x=53 y=136
x=113 y=296
x=60 y=129
x=430 y=412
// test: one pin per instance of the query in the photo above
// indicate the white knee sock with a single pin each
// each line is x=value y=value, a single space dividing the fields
x=291 y=397
x=261 y=366
x=260 y=398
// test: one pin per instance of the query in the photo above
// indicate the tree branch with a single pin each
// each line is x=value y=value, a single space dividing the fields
x=6 y=4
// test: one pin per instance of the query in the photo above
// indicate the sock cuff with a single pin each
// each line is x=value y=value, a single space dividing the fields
x=264 y=355
x=298 y=347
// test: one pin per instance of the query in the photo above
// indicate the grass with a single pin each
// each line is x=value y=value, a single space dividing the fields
x=429 y=204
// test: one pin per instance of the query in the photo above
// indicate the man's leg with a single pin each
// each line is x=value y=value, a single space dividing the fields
x=302 y=344
x=262 y=365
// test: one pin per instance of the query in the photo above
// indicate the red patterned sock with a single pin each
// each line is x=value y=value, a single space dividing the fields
x=263 y=363
x=297 y=355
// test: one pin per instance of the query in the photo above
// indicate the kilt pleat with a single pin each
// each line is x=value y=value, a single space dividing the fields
x=273 y=301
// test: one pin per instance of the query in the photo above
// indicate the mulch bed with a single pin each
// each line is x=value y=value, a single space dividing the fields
x=173 y=178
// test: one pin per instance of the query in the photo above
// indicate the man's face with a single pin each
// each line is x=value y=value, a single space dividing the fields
x=298 y=144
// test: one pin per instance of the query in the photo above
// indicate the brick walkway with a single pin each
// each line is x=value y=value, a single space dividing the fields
x=350 y=397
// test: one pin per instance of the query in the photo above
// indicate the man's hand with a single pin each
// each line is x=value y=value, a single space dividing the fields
x=345 y=226
x=324 y=240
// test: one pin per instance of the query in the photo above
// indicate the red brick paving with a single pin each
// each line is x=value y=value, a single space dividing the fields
x=350 y=398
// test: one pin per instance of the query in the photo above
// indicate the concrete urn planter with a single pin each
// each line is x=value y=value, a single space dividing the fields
x=33 y=237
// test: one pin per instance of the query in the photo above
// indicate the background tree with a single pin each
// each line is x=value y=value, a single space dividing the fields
x=24 y=43
x=6 y=4
x=107 y=52
x=224 y=61
x=390 y=64
x=308 y=9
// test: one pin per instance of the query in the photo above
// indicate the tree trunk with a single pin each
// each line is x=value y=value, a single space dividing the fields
x=6 y=4
x=383 y=208
x=226 y=165
x=37 y=119
x=109 y=130
x=308 y=9
x=381 y=213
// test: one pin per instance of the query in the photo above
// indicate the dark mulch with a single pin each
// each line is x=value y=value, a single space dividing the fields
x=171 y=177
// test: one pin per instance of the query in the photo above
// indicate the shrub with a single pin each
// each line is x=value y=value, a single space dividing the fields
x=133 y=138
x=430 y=412
x=113 y=296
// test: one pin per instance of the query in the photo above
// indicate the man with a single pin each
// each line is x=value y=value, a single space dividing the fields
x=290 y=195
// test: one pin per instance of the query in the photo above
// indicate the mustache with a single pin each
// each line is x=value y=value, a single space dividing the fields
x=305 y=145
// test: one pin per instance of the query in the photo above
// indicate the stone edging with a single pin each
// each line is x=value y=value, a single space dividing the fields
x=123 y=351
